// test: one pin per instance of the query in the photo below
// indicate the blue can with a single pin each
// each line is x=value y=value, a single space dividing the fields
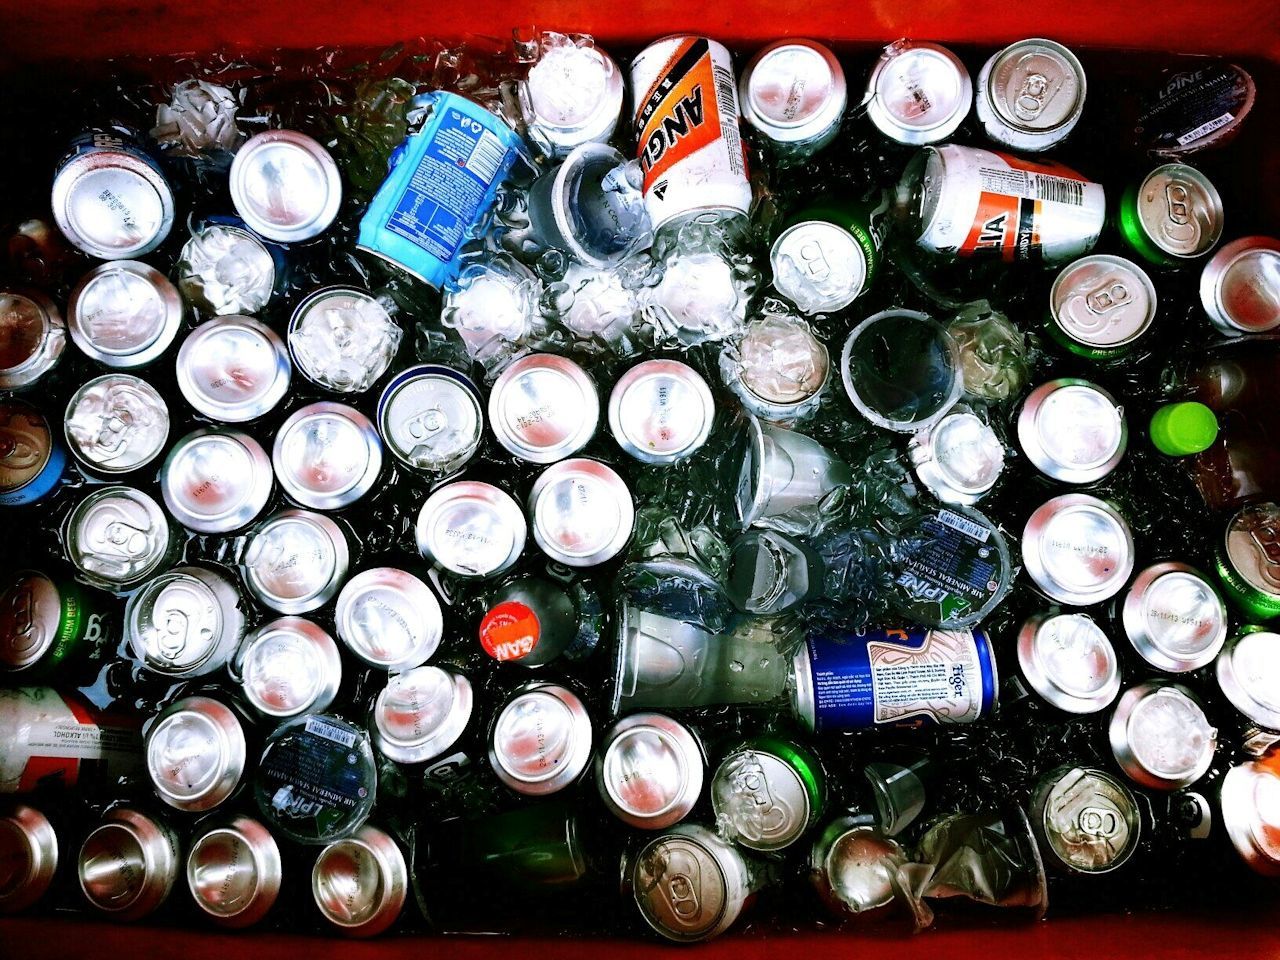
x=443 y=180
x=32 y=461
x=901 y=678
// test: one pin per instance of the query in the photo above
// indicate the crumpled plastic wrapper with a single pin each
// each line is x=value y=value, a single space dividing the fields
x=199 y=119
x=995 y=360
x=698 y=297
x=493 y=306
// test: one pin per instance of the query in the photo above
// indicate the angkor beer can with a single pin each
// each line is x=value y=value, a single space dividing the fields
x=216 y=480
x=32 y=460
x=794 y=93
x=29 y=852
x=1174 y=618
x=1161 y=737
x=661 y=411
x=918 y=92
x=124 y=314
x=343 y=339
x=185 y=623
x=650 y=770
x=118 y=537
x=1240 y=286
x=421 y=716
x=295 y=561
x=1173 y=215
x=768 y=792
x=234 y=871
x=116 y=423
x=128 y=864
x=1069 y=662
x=1072 y=430
x=1099 y=306
x=829 y=253
x=690 y=885
x=233 y=369
x=967 y=202
x=48 y=627
x=225 y=270
x=471 y=528
x=431 y=418
x=1248 y=671
x=1247 y=560
x=543 y=408
x=289 y=666
x=327 y=456
x=575 y=95
x=389 y=619
x=581 y=512
x=1077 y=549
x=540 y=742
x=285 y=186
x=32 y=338
x=360 y=883
x=1085 y=820
x=958 y=458
x=1250 y=801
x=196 y=753
x=686 y=126
x=1031 y=94
x=904 y=677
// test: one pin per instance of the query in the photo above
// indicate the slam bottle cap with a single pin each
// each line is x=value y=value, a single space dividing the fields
x=1181 y=429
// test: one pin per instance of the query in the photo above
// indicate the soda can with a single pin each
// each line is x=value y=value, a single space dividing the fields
x=543 y=408
x=1100 y=305
x=852 y=865
x=581 y=512
x=224 y=270
x=829 y=253
x=1068 y=661
x=124 y=314
x=216 y=480
x=32 y=460
x=958 y=458
x=431 y=418
x=472 y=529
x=185 y=623
x=1250 y=793
x=768 y=792
x=793 y=92
x=116 y=423
x=234 y=872
x=118 y=537
x=649 y=770
x=540 y=742
x=29 y=851
x=661 y=411
x=686 y=126
x=1248 y=673
x=574 y=96
x=1085 y=820
x=1174 y=618
x=196 y=753
x=1031 y=95
x=110 y=197
x=1160 y=736
x=327 y=456
x=128 y=864
x=287 y=667
x=421 y=717
x=343 y=339
x=964 y=202
x=918 y=93
x=233 y=369
x=1247 y=560
x=1077 y=549
x=32 y=338
x=360 y=883
x=782 y=369
x=850 y=681
x=285 y=186
x=1072 y=430
x=295 y=561
x=48 y=627
x=1173 y=215
x=1240 y=286
x=389 y=619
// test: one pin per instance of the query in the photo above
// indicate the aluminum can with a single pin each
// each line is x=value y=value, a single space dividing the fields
x=295 y=561
x=1099 y=306
x=793 y=92
x=661 y=411
x=1069 y=662
x=32 y=459
x=768 y=792
x=650 y=770
x=360 y=882
x=1174 y=618
x=829 y=253
x=472 y=529
x=1240 y=286
x=234 y=872
x=49 y=627
x=196 y=753
x=1248 y=673
x=421 y=717
x=285 y=186
x=289 y=666
x=116 y=423
x=224 y=270
x=784 y=370
x=1031 y=95
x=1160 y=736
x=32 y=338
x=118 y=537
x=343 y=339
x=327 y=456
x=581 y=512
x=431 y=418
x=216 y=480
x=540 y=742
x=110 y=197
x=958 y=458
x=29 y=852
x=128 y=864
x=1085 y=820
x=690 y=885
x=1072 y=430
x=389 y=619
x=1250 y=792
x=1173 y=215
x=574 y=96
x=1077 y=549
x=852 y=865
x=233 y=369
x=918 y=93
x=124 y=314
x=1247 y=560
x=544 y=408
x=185 y=623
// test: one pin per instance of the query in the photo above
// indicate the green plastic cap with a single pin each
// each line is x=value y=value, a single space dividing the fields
x=1181 y=429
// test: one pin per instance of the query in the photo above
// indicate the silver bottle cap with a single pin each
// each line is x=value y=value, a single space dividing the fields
x=581 y=512
x=1240 y=286
x=327 y=456
x=389 y=619
x=1160 y=736
x=111 y=203
x=761 y=799
x=195 y=754
x=1035 y=86
x=793 y=91
x=30 y=620
x=360 y=883
x=1085 y=819
x=1180 y=211
x=185 y=623
x=819 y=266
x=289 y=666
x=233 y=369
x=541 y=741
x=343 y=339
x=1174 y=618
x=295 y=561
x=128 y=864
x=784 y=369
x=124 y=314
x=1251 y=813
x=431 y=418
x=575 y=96
x=32 y=337
x=224 y=270
x=29 y=854
x=1069 y=661
x=118 y=536
x=650 y=771
x=285 y=186
x=1249 y=675
x=472 y=529
x=853 y=863
x=661 y=411
x=421 y=713
x=1072 y=430
x=1077 y=549
x=116 y=423
x=959 y=458
x=918 y=93
x=216 y=480
x=234 y=872
x=1102 y=301
x=544 y=408
x=689 y=884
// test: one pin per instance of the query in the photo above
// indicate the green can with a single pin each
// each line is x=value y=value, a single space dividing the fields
x=1100 y=306
x=49 y=627
x=829 y=253
x=1248 y=560
x=768 y=792
x=1172 y=216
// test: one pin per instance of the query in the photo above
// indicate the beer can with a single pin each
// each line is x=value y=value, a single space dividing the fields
x=233 y=369
x=124 y=314
x=196 y=753
x=289 y=666
x=1240 y=286
x=1250 y=799
x=540 y=742
x=343 y=339
x=116 y=423
x=1077 y=549
x=543 y=408
x=32 y=459
x=767 y=793
x=829 y=253
x=216 y=480
x=234 y=871
x=1160 y=736
x=901 y=677
x=1031 y=95
x=1247 y=560
x=389 y=619
x=1099 y=306
x=1248 y=673
x=686 y=126
x=49 y=627
x=782 y=369
x=581 y=512
x=472 y=529
x=1069 y=662
x=224 y=270
x=661 y=411
x=918 y=92
x=574 y=95
x=118 y=537
x=1085 y=820
x=187 y=622
x=360 y=883
x=110 y=197
x=1072 y=430
x=128 y=864
x=958 y=458
x=29 y=852
x=650 y=770
x=1173 y=215
x=421 y=716
x=285 y=186
x=1174 y=618
x=327 y=456
x=431 y=418
x=32 y=338
x=852 y=866
x=295 y=561
x=793 y=92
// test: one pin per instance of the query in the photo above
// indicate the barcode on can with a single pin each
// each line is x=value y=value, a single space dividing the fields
x=726 y=101
x=964 y=525
x=486 y=158
x=1058 y=189
x=1207 y=127
x=330 y=731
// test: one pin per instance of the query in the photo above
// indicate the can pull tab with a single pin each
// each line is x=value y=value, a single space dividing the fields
x=1111 y=295
x=682 y=893
x=1101 y=823
x=1034 y=95
x=1181 y=224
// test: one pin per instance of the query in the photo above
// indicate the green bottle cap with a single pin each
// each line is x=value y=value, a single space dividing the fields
x=1181 y=429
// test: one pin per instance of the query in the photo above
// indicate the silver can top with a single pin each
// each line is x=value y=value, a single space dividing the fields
x=543 y=408
x=1085 y=819
x=1161 y=737
x=195 y=754
x=853 y=864
x=661 y=411
x=289 y=666
x=1102 y=301
x=1069 y=661
x=918 y=92
x=124 y=314
x=1072 y=430
x=389 y=619
x=1249 y=674
x=343 y=339
x=689 y=884
x=1240 y=286
x=360 y=883
x=541 y=740
x=650 y=771
x=118 y=536
x=116 y=423
x=128 y=864
x=233 y=369
x=29 y=852
x=819 y=266
x=32 y=337
x=1174 y=618
x=224 y=270
x=761 y=799
x=111 y=203
x=581 y=512
x=431 y=418
x=959 y=458
x=30 y=620
x=784 y=368
x=295 y=561
x=1180 y=210
x=1251 y=813
x=216 y=480
x=793 y=91
x=234 y=872
x=575 y=95
x=184 y=623
x=472 y=529
x=1252 y=548
x=421 y=713
x=1078 y=549
x=327 y=456
x=285 y=186
x=1036 y=86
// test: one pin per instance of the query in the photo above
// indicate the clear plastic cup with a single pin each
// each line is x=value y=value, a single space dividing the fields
x=785 y=474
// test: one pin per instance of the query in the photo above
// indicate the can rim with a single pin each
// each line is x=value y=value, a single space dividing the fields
x=499 y=504
x=1215 y=204
x=576 y=761
x=170 y=303
x=804 y=129
x=123 y=157
x=1039 y=811
x=445 y=735
x=1047 y=686
x=697 y=836
x=613 y=485
x=918 y=135
x=250 y=504
x=599 y=124
x=1122 y=748
x=50 y=347
x=419 y=596
x=117 y=491
x=1119 y=263
x=358 y=486
x=304 y=308
x=1071 y=61
x=1033 y=562
x=1144 y=641
x=393 y=881
x=588 y=412
x=267 y=865
x=861 y=273
x=1028 y=429
x=325 y=167
x=675 y=370
x=683 y=745
x=804 y=815
x=940 y=479
x=159 y=860
x=1238 y=806
x=1235 y=690
x=326 y=658
x=143 y=387
x=341 y=560
x=36 y=833
x=245 y=408
x=1214 y=276
x=224 y=777
x=400 y=382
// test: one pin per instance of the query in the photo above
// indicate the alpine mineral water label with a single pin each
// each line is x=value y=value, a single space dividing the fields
x=1014 y=202
x=313 y=775
x=951 y=569
x=1195 y=107
x=330 y=731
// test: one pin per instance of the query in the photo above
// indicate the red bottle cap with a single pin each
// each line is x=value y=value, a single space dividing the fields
x=510 y=631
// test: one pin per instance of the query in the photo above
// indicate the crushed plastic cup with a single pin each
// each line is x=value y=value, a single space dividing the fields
x=785 y=478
